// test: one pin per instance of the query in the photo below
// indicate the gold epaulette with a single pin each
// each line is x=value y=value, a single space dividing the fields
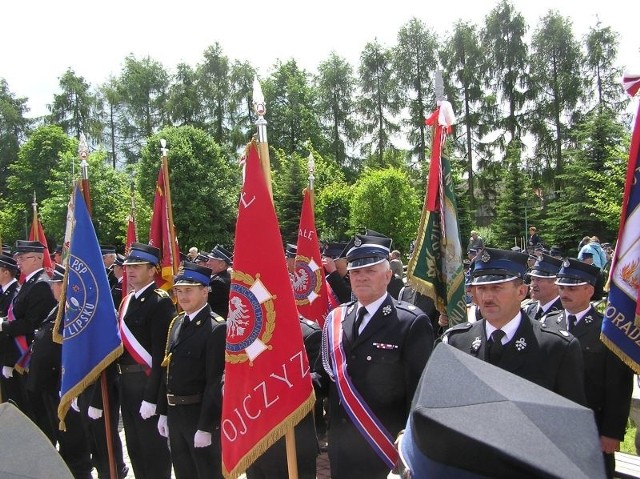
x=162 y=293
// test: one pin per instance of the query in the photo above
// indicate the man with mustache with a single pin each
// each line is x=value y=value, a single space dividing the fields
x=508 y=338
x=543 y=289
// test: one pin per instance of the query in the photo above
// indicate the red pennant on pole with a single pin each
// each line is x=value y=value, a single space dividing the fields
x=309 y=285
x=267 y=387
x=37 y=234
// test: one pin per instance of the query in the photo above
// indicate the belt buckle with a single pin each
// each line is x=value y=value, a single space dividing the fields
x=170 y=400
x=118 y=368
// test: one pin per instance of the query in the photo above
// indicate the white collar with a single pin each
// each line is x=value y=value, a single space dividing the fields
x=138 y=293
x=374 y=306
x=546 y=306
x=191 y=316
x=5 y=286
x=509 y=329
x=27 y=278
x=578 y=316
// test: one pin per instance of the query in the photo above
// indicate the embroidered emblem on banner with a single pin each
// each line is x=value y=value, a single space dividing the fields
x=306 y=280
x=251 y=320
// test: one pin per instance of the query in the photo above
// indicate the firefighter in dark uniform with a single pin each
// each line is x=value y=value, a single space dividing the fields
x=334 y=262
x=8 y=289
x=118 y=270
x=44 y=381
x=608 y=381
x=542 y=288
x=30 y=307
x=218 y=261
x=386 y=345
x=145 y=315
x=273 y=463
x=508 y=338
x=191 y=405
x=109 y=257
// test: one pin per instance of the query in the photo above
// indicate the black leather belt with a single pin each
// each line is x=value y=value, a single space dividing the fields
x=130 y=368
x=174 y=400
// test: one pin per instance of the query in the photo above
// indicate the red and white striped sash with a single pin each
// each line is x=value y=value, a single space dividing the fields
x=361 y=415
x=131 y=344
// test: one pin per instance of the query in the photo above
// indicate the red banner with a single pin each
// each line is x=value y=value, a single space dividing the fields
x=37 y=234
x=132 y=237
x=162 y=232
x=267 y=387
x=309 y=284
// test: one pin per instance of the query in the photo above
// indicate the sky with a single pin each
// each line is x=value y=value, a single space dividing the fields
x=40 y=40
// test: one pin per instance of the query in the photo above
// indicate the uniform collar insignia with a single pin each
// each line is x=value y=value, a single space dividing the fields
x=566 y=263
x=357 y=242
x=350 y=308
x=386 y=311
x=475 y=345
x=486 y=257
x=588 y=319
x=521 y=344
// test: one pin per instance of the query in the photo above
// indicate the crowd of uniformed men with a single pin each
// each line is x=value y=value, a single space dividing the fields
x=167 y=385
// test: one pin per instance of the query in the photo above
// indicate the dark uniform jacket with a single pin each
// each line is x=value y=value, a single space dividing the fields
x=340 y=286
x=608 y=382
x=532 y=309
x=219 y=288
x=148 y=319
x=384 y=363
x=543 y=355
x=7 y=296
x=195 y=364
x=116 y=293
x=44 y=368
x=31 y=306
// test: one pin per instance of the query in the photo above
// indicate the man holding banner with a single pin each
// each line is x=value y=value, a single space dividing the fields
x=373 y=353
x=144 y=320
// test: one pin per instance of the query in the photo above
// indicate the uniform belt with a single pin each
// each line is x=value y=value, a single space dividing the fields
x=130 y=368
x=174 y=400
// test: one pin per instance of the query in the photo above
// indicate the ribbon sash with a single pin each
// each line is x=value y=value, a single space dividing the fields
x=362 y=417
x=131 y=344
x=21 y=344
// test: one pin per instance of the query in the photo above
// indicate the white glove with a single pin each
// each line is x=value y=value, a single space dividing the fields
x=163 y=427
x=74 y=405
x=7 y=371
x=202 y=439
x=147 y=410
x=1 y=323
x=94 y=412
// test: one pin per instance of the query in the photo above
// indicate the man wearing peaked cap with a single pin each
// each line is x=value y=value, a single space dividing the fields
x=489 y=423
x=219 y=261
x=6 y=249
x=290 y=252
x=144 y=318
x=43 y=384
x=607 y=380
x=377 y=347
x=190 y=402
x=109 y=257
x=508 y=338
x=118 y=272
x=542 y=287
x=30 y=307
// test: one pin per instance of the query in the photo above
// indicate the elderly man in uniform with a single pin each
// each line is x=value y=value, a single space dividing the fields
x=191 y=403
x=145 y=315
x=607 y=380
x=218 y=262
x=335 y=267
x=374 y=350
x=542 y=288
x=108 y=258
x=508 y=338
x=30 y=307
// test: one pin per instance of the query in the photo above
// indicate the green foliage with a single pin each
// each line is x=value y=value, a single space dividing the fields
x=333 y=210
x=13 y=129
x=204 y=186
x=385 y=201
x=289 y=179
x=512 y=197
x=110 y=198
x=37 y=158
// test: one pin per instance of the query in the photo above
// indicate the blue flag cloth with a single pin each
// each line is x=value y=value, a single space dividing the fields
x=621 y=324
x=90 y=336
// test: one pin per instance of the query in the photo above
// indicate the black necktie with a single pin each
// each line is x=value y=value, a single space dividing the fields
x=539 y=314
x=495 y=346
x=572 y=320
x=358 y=322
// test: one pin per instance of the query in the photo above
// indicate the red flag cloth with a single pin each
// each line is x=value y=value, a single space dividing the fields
x=37 y=234
x=132 y=237
x=309 y=285
x=631 y=83
x=162 y=232
x=267 y=386
x=433 y=194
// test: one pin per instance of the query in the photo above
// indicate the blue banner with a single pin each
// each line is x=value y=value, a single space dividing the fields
x=90 y=336
x=621 y=325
